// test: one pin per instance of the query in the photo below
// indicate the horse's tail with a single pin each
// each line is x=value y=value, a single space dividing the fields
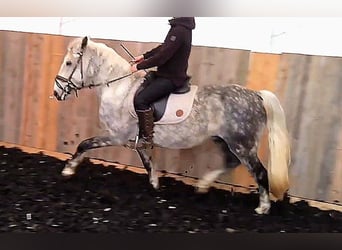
x=279 y=145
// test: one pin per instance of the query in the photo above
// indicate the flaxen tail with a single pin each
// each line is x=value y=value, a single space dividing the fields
x=279 y=145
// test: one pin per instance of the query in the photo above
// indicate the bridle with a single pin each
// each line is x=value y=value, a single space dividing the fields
x=71 y=86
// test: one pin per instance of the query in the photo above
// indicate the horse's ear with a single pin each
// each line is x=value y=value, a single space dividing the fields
x=84 y=42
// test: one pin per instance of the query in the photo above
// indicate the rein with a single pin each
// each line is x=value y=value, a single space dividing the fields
x=70 y=86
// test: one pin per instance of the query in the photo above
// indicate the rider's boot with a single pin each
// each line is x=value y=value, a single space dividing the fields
x=146 y=124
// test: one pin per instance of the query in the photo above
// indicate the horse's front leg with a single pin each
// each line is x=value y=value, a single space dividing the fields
x=146 y=158
x=85 y=145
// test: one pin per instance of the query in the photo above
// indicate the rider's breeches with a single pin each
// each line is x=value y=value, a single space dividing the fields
x=155 y=90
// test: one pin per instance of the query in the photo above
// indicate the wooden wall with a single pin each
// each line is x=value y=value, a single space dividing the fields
x=309 y=88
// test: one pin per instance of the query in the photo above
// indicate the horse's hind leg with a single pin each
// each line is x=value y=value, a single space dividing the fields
x=230 y=159
x=85 y=145
x=248 y=156
x=146 y=159
x=260 y=176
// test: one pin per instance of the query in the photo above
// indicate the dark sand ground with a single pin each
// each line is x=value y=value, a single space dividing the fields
x=35 y=198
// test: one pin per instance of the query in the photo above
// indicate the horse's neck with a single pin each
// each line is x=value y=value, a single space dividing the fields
x=111 y=67
x=119 y=91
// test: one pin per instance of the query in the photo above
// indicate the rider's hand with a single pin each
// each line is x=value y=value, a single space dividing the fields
x=134 y=68
x=137 y=59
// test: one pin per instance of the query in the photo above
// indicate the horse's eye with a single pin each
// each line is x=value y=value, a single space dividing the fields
x=68 y=63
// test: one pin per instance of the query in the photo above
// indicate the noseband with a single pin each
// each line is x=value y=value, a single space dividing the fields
x=70 y=86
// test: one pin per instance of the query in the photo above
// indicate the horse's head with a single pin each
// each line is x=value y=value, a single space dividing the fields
x=71 y=75
x=89 y=64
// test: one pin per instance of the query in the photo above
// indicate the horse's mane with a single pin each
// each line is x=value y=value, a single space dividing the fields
x=99 y=55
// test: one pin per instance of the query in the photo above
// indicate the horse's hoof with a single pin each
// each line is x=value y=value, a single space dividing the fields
x=67 y=172
x=201 y=190
x=262 y=210
x=154 y=180
x=155 y=185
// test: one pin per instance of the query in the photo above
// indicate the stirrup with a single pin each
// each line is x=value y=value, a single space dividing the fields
x=141 y=143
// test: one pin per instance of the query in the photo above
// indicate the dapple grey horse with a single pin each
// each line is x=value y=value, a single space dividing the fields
x=229 y=114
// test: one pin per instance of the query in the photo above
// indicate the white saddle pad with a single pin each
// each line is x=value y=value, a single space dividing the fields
x=177 y=109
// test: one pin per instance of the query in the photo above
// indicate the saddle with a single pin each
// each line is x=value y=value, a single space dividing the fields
x=173 y=108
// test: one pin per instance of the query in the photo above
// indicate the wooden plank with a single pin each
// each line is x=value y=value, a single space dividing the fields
x=232 y=67
x=335 y=190
x=194 y=63
x=66 y=115
x=329 y=121
x=263 y=71
x=43 y=131
x=317 y=129
x=242 y=67
x=12 y=70
x=221 y=66
x=310 y=128
x=2 y=83
x=38 y=110
x=51 y=57
x=30 y=92
x=294 y=73
x=26 y=94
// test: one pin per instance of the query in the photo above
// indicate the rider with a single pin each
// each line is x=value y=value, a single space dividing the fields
x=171 y=59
